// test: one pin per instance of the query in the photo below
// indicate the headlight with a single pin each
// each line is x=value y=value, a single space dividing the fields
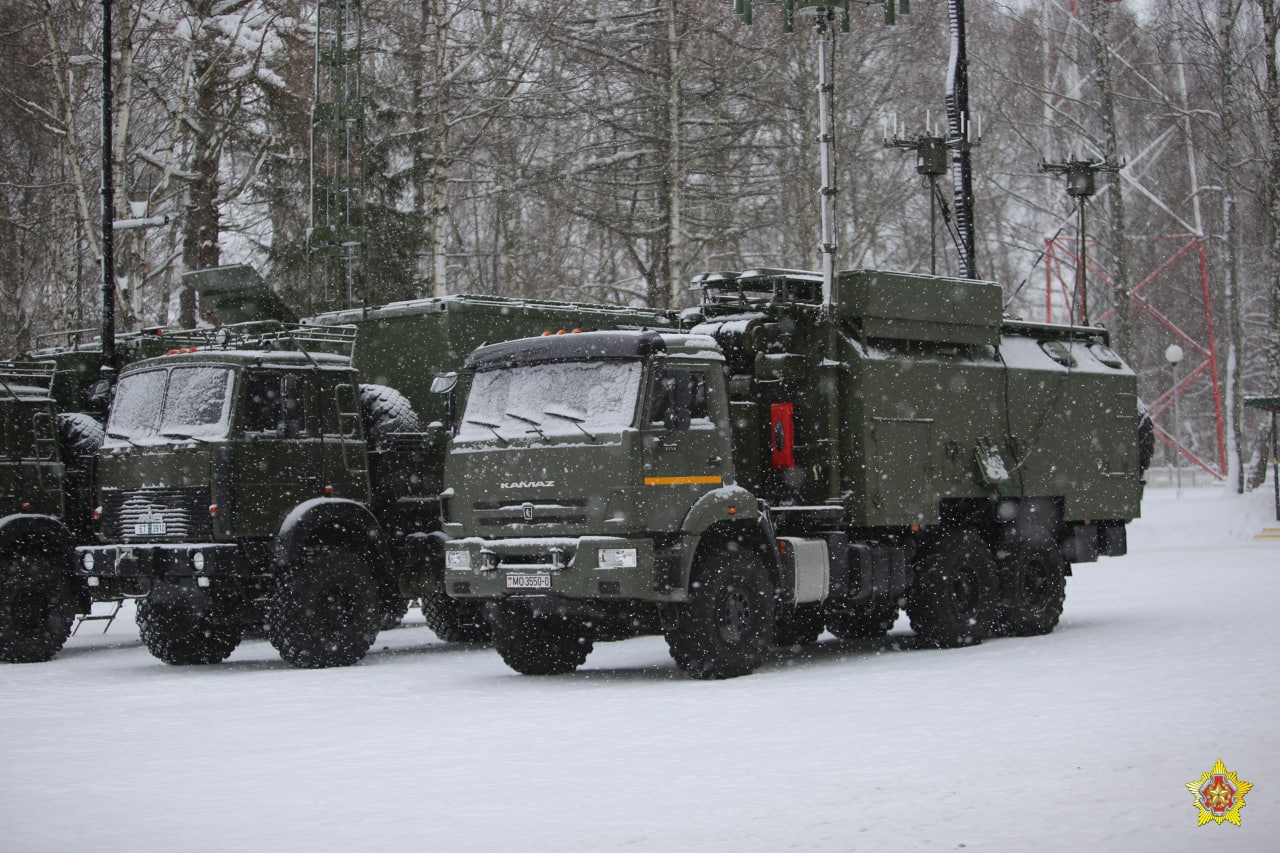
x=87 y=561
x=197 y=561
x=458 y=561
x=617 y=558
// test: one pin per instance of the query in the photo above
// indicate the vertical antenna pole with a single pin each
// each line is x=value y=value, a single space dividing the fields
x=108 y=202
x=826 y=144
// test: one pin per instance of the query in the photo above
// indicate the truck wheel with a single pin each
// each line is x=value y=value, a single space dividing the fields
x=183 y=624
x=798 y=626
x=79 y=437
x=535 y=643
x=862 y=621
x=953 y=601
x=724 y=629
x=36 y=609
x=455 y=621
x=384 y=411
x=324 y=611
x=1038 y=580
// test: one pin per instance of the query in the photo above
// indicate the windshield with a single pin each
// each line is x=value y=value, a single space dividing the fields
x=178 y=402
x=581 y=398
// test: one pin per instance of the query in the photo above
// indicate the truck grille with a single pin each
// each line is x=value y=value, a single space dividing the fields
x=560 y=511
x=183 y=512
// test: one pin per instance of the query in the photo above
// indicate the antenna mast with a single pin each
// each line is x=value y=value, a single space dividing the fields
x=958 y=131
x=823 y=16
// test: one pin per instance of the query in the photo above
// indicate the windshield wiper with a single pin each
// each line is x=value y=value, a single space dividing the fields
x=573 y=419
x=123 y=437
x=537 y=427
x=182 y=436
x=493 y=428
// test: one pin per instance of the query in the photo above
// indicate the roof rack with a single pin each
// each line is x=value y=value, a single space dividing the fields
x=30 y=374
x=337 y=340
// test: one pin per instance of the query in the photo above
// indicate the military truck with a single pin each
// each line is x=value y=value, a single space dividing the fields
x=787 y=462
x=46 y=465
x=291 y=481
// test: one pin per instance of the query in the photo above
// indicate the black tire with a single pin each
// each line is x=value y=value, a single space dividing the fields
x=861 y=621
x=1146 y=437
x=798 y=626
x=725 y=627
x=536 y=643
x=182 y=624
x=954 y=600
x=1037 y=583
x=455 y=621
x=79 y=437
x=385 y=411
x=325 y=610
x=36 y=608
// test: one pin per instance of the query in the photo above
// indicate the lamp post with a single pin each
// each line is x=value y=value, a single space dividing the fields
x=1173 y=355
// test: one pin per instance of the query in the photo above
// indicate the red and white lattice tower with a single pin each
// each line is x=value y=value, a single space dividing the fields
x=1161 y=265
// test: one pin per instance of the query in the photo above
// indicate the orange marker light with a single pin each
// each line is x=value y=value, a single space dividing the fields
x=328 y=491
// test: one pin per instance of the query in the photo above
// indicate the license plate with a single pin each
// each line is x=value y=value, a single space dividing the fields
x=528 y=581
x=149 y=528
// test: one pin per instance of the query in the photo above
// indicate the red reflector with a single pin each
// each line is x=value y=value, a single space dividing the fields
x=782 y=436
x=213 y=509
x=328 y=490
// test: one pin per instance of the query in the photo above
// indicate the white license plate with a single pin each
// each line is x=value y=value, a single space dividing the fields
x=528 y=581
x=149 y=528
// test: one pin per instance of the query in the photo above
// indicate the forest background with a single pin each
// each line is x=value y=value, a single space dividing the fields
x=609 y=150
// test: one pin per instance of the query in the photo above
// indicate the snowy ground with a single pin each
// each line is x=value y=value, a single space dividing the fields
x=1165 y=661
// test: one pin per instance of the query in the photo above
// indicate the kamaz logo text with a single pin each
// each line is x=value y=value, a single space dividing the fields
x=528 y=484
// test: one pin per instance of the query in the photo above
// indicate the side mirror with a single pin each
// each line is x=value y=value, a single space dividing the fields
x=100 y=394
x=443 y=383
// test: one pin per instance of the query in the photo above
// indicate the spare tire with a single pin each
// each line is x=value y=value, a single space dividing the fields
x=385 y=411
x=1146 y=437
x=79 y=437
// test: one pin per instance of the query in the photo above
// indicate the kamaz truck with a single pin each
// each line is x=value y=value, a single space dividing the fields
x=790 y=461
x=291 y=482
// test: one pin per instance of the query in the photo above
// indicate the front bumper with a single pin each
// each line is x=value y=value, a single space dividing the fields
x=581 y=568
x=162 y=562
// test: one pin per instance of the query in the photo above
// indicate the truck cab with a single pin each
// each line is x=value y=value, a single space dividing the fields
x=233 y=490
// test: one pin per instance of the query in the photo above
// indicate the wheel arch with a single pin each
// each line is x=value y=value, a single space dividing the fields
x=24 y=533
x=331 y=521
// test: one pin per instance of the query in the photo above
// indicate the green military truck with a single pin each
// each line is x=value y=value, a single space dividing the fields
x=46 y=466
x=789 y=463
x=292 y=481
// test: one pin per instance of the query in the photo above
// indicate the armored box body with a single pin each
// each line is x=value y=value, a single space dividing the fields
x=914 y=391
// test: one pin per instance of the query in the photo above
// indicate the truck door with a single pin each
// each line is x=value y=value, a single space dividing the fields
x=278 y=465
x=685 y=441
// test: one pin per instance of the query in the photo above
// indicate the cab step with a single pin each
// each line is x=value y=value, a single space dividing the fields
x=82 y=618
